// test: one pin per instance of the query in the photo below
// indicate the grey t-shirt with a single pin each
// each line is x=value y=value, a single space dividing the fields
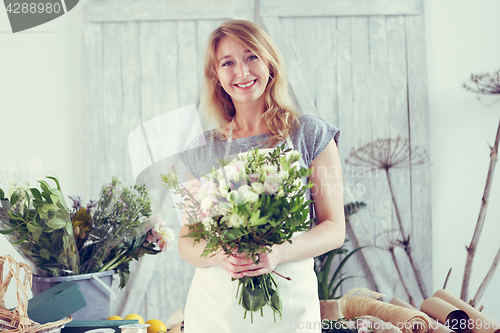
x=310 y=139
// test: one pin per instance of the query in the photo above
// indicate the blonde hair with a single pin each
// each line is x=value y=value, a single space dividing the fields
x=279 y=116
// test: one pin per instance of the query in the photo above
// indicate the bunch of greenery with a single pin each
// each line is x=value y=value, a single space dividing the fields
x=106 y=235
x=252 y=203
x=39 y=225
x=117 y=230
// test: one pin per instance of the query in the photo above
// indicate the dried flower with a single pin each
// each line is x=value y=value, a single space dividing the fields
x=487 y=84
x=385 y=154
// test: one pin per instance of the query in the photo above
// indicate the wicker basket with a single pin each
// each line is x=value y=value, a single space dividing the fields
x=17 y=320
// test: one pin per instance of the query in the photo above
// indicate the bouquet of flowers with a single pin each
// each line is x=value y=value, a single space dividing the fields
x=107 y=234
x=252 y=203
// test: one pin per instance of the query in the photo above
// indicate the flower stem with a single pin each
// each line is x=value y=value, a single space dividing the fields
x=284 y=277
x=110 y=263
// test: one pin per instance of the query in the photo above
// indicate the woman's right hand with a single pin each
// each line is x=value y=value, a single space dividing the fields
x=235 y=264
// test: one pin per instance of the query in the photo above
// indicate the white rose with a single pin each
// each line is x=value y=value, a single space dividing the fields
x=207 y=222
x=240 y=166
x=271 y=185
x=223 y=188
x=206 y=203
x=269 y=168
x=251 y=196
x=295 y=155
x=258 y=187
x=243 y=189
x=236 y=196
x=236 y=221
x=201 y=194
x=283 y=174
x=231 y=172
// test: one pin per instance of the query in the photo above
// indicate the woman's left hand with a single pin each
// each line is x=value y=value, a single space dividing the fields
x=266 y=264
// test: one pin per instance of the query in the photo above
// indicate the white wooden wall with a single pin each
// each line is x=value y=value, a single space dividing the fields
x=359 y=65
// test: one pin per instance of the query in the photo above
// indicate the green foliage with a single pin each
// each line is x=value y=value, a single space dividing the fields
x=41 y=229
x=40 y=225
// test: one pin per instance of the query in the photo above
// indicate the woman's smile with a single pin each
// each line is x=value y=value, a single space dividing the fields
x=246 y=85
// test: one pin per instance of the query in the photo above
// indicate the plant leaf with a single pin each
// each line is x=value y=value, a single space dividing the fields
x=56 y=223
x=45 y=254
x=19 y=242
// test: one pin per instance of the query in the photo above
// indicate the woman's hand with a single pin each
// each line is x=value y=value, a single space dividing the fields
x=239 y=265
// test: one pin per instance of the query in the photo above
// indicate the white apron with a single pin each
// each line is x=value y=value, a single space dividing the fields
x=212 y=306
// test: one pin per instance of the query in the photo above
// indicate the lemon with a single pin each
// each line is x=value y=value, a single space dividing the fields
x=156 y=326
x=134 y=316
x=115 y=318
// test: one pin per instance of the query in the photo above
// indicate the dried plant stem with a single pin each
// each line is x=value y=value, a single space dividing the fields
x=447 y=277
x=410 y=298
x=486 y=281
x=406 y=242
x=471 y=249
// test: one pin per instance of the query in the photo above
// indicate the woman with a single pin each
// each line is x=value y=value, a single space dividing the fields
x=245 y=94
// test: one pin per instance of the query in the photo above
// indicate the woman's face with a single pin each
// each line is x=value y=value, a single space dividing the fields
x=241 y=73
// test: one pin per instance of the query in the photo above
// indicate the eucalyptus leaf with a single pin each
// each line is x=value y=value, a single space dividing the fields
x=57 y=223
x=36 y=193
x=45 y=254
x=33 y=228
x=54 y=198
x=42 y=214
x=15 y=217
x=45 y=187
x=56 y=181
x=19 y=242
x=13 y=198
x=50 y=208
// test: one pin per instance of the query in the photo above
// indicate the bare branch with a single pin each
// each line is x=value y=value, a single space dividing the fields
x=471 y=249
x=446 y=280
x=486 y=281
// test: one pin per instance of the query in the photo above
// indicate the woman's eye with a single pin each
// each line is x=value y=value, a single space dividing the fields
x=253 y=57
x=227 y=63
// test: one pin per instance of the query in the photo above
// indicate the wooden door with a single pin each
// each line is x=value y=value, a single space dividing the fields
x=358 y=65
x=361 y=66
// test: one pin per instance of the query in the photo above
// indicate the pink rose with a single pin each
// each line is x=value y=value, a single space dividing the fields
x=271 y=185
x=253 y=177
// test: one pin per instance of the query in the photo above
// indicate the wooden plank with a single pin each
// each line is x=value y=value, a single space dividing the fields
x=131 y=10
x=150 y=76
x=418 y=102
x=398 y=126
x=168 y=66
x=306 y=38
x=379 y=261
x=295 y=76
x=188 y=60
x=397 y=76
x=130 y=82
x=204 y=29
x=349 y=140
x=95 y=155
x=380 y=130
x=301 y=8
x=114 y=136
